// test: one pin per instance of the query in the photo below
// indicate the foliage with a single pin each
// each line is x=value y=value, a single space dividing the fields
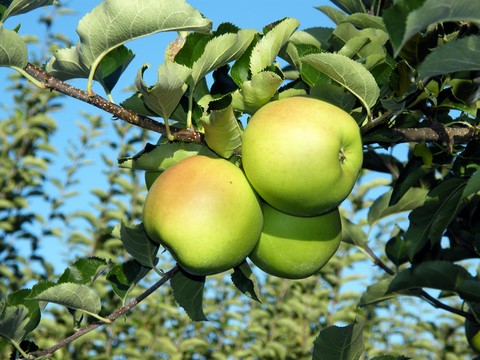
x=406 y=70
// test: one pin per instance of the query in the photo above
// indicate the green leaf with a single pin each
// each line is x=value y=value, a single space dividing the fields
x=408 y=17
x=428 y=222
x=161 y=157
x=137 y=243
x=441 y=275
x=348 y=73
x=83 y=271
x=245 y=281
x=334 y=14
x=444 y=59
x=379 y=292
x=73 y=296
x=353 y=234
x=473 y=185
x=188 y=293
x=13 y=50
x=18 y=7
x=266 y=50
x=66 y=64
x=165 y=95
x=380 y=208
x=19 y=316
x=114 y=22
x=366 y=21
x=124 y=277
x=340 y=343
x=335 y=95
x=350 y=6
x=223 y=133
x=220 y=51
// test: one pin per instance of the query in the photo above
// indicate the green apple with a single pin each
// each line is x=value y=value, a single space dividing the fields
x=302 y=155
x=205 y=212
x=472 y=332
x=295 y=247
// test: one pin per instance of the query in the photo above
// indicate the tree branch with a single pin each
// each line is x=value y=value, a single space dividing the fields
x=52 y=83
x=112 y=317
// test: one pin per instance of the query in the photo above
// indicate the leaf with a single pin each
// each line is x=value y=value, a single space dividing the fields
x=334 y=14
x=473 y=185
x=18 y=7
x=136 y=242
x=188 y=293
x=266 y=50
x=441 y=275
x=340 y=343
x=83 y=271
x=380 y=208
x=124 y=277
x=366 y=21
x=66 y=64
x=428 y=222
x=161 y=157
x=73 y=296
x=114 y=22
x=379 y=292
x=223 y=133
x=408 y=17
x=13 y=50
x=245 y=281
x=444 y=59
x=220 y=51
x=348 y=73
x=350 y=6
x=165 y=95
x=353 y=233
x=19 y=316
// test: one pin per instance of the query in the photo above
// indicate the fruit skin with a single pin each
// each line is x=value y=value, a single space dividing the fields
x=302 y=155
x=204 y=211
x=295 y=247
x=472 y=332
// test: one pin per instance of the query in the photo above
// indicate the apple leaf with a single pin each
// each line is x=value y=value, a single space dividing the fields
x=444 y=59
x=19 y=316
x=165 y=95
x=441 y=275
x=160 y=157
x=13 y=50
x=350 y=6
x=83 y=271
x=124 y=277
x=380 y=208
x=340 y=343
x=428 y=222
x=188 y=293
x=267 y=48
x=114 y=22
x=18 y=7
x=348 y=73
x=408 y=17
x=473 y=185
x=221 y=50
x=223 y=133
x=365 y=21
x=66 y=64
x=137 y=243
x=334 y=14
x=73 y=296
x=353 y=234
x=379 y=292
x=245 y=281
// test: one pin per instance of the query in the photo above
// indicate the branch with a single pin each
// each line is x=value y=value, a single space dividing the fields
x=112 y=317
x=52 y=83
x=454 y=135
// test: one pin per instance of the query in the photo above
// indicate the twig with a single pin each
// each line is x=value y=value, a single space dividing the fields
x=112 y=317
x=52 y=83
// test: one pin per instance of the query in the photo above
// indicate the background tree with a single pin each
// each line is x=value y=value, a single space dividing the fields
x=410 y=241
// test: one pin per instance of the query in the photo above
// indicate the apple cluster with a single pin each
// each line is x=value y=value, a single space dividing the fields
x=300 y=159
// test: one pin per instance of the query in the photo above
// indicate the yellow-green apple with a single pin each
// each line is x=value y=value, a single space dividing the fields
x=302 y=155
x=295 y=247
x=205 y=212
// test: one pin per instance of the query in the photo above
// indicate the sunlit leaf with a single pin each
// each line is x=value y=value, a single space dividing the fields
x=83 y=271
x=348 y=73
x=13 y=50
x=18 y=7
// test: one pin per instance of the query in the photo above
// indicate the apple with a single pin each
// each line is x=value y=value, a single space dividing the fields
x=295 y=247
x=302 y=155
x=205 y=212
x=472 y=332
